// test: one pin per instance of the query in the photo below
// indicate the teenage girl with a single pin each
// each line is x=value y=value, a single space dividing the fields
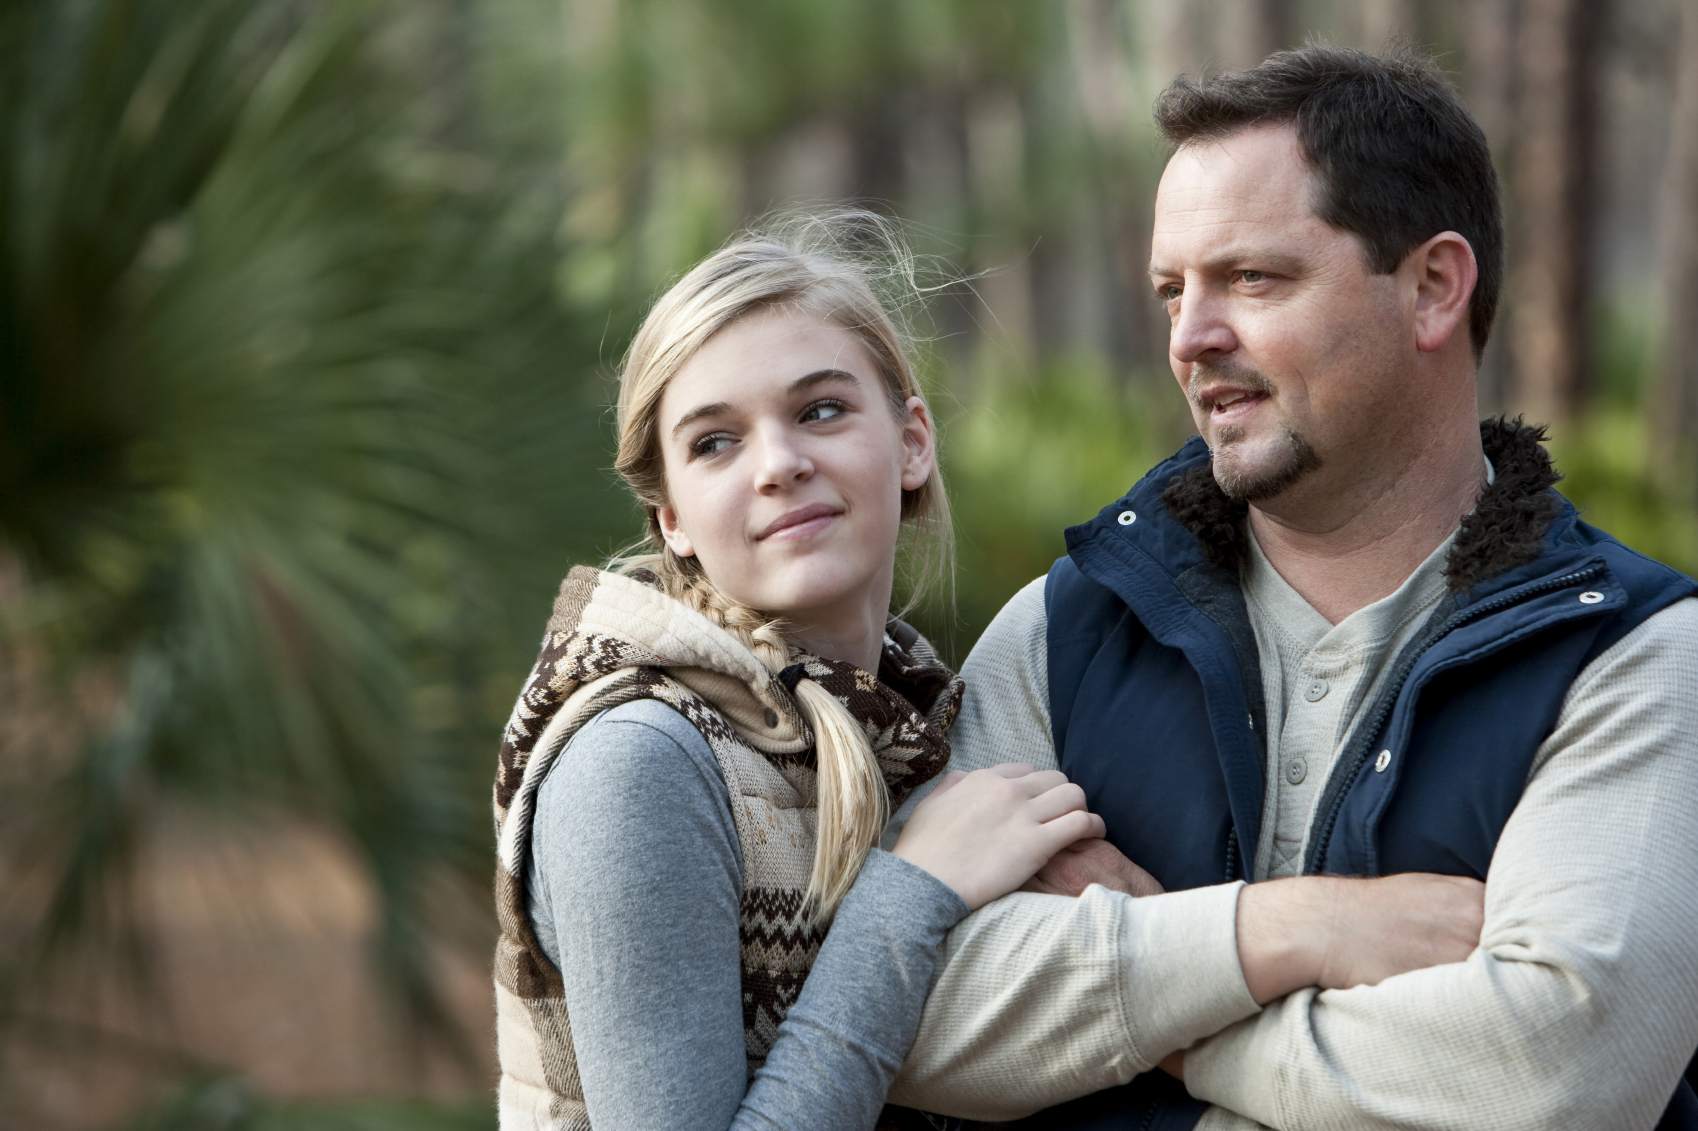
x=697 y=774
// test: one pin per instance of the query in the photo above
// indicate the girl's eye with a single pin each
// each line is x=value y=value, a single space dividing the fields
x=711 y=444
x=824 y=410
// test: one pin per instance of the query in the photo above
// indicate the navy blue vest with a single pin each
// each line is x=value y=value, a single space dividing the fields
x=1156 y=704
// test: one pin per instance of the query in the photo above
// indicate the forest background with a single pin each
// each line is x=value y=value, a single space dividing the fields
x=309 y=312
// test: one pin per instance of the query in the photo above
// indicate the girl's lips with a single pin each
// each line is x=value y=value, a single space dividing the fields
x=800 y=522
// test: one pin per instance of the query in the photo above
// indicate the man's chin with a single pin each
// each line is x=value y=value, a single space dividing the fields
x=1254 y=477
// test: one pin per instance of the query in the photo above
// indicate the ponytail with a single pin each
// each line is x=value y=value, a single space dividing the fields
x=853 y=800
x=854 y=803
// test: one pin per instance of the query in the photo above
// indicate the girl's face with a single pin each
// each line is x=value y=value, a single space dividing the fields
x=785 y=468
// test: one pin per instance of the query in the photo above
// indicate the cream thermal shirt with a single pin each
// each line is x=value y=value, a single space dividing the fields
x=1579 y=1009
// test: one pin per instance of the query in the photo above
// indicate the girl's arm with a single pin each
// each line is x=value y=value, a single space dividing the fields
x=635 y=885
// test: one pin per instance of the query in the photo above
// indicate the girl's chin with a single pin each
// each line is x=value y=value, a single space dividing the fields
x=811 y=597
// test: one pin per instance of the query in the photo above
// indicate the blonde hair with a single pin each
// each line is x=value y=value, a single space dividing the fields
x=832 y=266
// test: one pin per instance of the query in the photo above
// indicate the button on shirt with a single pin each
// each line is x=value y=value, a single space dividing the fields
x=1318 y=679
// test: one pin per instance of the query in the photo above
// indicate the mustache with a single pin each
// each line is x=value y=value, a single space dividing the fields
x=1240 y=376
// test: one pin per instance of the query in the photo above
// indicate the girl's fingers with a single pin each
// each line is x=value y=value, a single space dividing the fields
x=1037 y=783
x=945 y=783
x=1054 y=802
x=1012 y=769
x=1074 y=825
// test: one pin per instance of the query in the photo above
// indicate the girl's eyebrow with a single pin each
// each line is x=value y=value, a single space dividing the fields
x=817 y=377
x=698 y=412
x=820 y=376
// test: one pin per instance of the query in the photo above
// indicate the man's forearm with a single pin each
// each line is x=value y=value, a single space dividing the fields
x=1044 y=998
x=1581 y=1007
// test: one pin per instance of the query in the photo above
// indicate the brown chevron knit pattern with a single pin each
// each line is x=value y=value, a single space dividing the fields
x=612 y=640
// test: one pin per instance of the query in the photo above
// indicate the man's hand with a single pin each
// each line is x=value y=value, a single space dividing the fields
x=1336 y=933
x=1087 y=862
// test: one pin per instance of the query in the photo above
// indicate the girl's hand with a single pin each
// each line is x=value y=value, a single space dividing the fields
x=986 y=833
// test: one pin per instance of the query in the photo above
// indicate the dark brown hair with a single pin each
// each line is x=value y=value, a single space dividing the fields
x=1397 y=157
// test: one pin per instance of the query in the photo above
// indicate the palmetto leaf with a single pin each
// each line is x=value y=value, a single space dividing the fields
x=260 y=327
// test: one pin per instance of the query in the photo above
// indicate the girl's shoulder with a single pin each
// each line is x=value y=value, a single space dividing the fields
x=640 y=731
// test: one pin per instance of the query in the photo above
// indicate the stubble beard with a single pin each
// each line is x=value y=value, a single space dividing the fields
x=1295 y=459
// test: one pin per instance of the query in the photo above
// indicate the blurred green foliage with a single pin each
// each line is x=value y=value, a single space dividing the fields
x=284 y=398
x=1030 y=458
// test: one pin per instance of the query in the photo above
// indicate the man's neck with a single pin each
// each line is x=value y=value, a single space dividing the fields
x=1340 y=563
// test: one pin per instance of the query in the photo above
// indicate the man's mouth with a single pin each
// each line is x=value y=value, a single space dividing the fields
x=1230 y=402
x=1226 y=392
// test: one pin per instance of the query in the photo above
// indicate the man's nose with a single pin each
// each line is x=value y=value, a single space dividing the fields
x=780 y=461
x=1202 y=326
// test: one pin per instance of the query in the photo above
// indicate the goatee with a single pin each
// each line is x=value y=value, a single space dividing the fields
x=1297 y=460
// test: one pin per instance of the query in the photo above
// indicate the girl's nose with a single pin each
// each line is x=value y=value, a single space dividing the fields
x=779 y=462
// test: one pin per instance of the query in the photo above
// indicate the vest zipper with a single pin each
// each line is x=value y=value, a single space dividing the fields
x=1370 y=736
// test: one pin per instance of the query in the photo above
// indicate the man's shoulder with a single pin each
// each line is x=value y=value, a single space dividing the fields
x=1633 y=567
x=1013 y=634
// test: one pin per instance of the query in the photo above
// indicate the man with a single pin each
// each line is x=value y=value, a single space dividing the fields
x=1348 y=631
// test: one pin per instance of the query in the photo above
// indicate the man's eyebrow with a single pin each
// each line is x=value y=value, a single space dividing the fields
x=807 y=381
x=1233 y=258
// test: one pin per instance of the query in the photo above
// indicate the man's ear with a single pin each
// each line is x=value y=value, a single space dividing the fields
x=1444 y=273
x=676 y=540
x=919 y=446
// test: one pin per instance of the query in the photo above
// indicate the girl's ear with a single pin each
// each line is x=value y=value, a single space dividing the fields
x=670 y=529
x=919 y=445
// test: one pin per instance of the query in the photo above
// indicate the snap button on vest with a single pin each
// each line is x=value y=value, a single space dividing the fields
x=1382 y=762
x=1296 y=770
x=1317 y=690
x=1591 y=597
x=771 y=717
x=1127 y=518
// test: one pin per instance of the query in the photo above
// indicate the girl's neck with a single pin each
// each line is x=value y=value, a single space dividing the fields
x=854 y=636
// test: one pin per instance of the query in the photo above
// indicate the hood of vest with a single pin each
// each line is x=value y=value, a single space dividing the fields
x=603 y=623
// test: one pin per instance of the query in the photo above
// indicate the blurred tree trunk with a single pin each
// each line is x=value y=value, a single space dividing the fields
x=1488 y=27
x=1379 y=20
x=1248 y=31
x=1554 y=205
x=1674 y=408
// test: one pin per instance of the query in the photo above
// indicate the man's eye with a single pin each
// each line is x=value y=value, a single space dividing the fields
x=1169 y=292
x=823 y=410
x=711 y=444
x=1251 y=276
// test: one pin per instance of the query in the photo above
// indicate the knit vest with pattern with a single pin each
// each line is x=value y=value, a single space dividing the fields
x=613 y=639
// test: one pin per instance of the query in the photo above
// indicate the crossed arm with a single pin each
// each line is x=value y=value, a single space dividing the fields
x=1579 y=1008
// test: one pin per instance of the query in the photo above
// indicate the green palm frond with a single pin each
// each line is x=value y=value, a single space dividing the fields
x=268 y=337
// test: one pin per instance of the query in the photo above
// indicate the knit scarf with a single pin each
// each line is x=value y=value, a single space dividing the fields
x=611 y=640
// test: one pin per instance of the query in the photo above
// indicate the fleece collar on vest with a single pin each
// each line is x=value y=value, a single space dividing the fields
x=1507 y=528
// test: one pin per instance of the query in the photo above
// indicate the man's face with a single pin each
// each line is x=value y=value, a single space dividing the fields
x=1295 y=359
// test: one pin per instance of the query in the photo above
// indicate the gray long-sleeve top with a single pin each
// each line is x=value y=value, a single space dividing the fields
x=635 y=878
